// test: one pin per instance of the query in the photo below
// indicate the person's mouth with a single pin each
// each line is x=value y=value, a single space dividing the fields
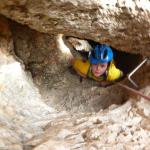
x=97 y=73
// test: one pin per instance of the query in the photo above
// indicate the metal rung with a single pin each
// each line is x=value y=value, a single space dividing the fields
x=129 y=76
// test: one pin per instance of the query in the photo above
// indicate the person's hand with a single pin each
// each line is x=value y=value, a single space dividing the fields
x=105 y=83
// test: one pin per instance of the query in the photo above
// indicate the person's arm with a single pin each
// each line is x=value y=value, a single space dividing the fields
x=81 y=74
x=81 y=67
x=106 y=83
x=114 y=73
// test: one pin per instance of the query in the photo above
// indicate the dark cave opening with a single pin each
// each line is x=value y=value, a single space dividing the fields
x=124 y=61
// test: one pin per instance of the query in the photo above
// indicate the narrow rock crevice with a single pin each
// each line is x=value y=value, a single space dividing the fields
x=64 y=113
x=52 y=109
x=124 y=60
x=48 y=59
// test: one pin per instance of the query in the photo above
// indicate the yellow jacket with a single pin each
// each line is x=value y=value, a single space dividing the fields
x=83 y=68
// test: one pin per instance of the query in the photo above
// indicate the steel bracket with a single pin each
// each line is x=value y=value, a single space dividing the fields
x=134 y=70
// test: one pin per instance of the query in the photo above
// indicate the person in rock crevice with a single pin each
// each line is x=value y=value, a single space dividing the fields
x=100 y=66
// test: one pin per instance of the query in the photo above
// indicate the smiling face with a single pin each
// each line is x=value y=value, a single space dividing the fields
x=99 y=69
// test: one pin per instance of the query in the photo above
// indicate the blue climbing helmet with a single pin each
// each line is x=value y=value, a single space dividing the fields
x=101 y=54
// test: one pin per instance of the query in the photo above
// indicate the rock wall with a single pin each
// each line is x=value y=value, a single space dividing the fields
x=123 y=24
x=59 y=86
x=23 y=114
x=124 y=127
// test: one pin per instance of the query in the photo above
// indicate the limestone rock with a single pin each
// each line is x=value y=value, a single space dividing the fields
x=22 y=112
x=26 y=121
x=122 y=24
x=113 y=132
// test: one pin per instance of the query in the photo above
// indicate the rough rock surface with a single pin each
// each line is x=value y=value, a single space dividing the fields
x=23 y=113
x=50 y=70
x=123 y=24
x=124 y=127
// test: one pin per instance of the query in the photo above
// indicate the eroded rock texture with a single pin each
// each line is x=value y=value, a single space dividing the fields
x=23 y=113
x=50 y=70
x=123 y=24
x=124 y=127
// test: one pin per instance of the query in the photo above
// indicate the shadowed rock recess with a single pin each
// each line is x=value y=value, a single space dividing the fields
x=43 y=104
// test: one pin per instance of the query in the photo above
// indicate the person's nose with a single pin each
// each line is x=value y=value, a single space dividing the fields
x=98 y=67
